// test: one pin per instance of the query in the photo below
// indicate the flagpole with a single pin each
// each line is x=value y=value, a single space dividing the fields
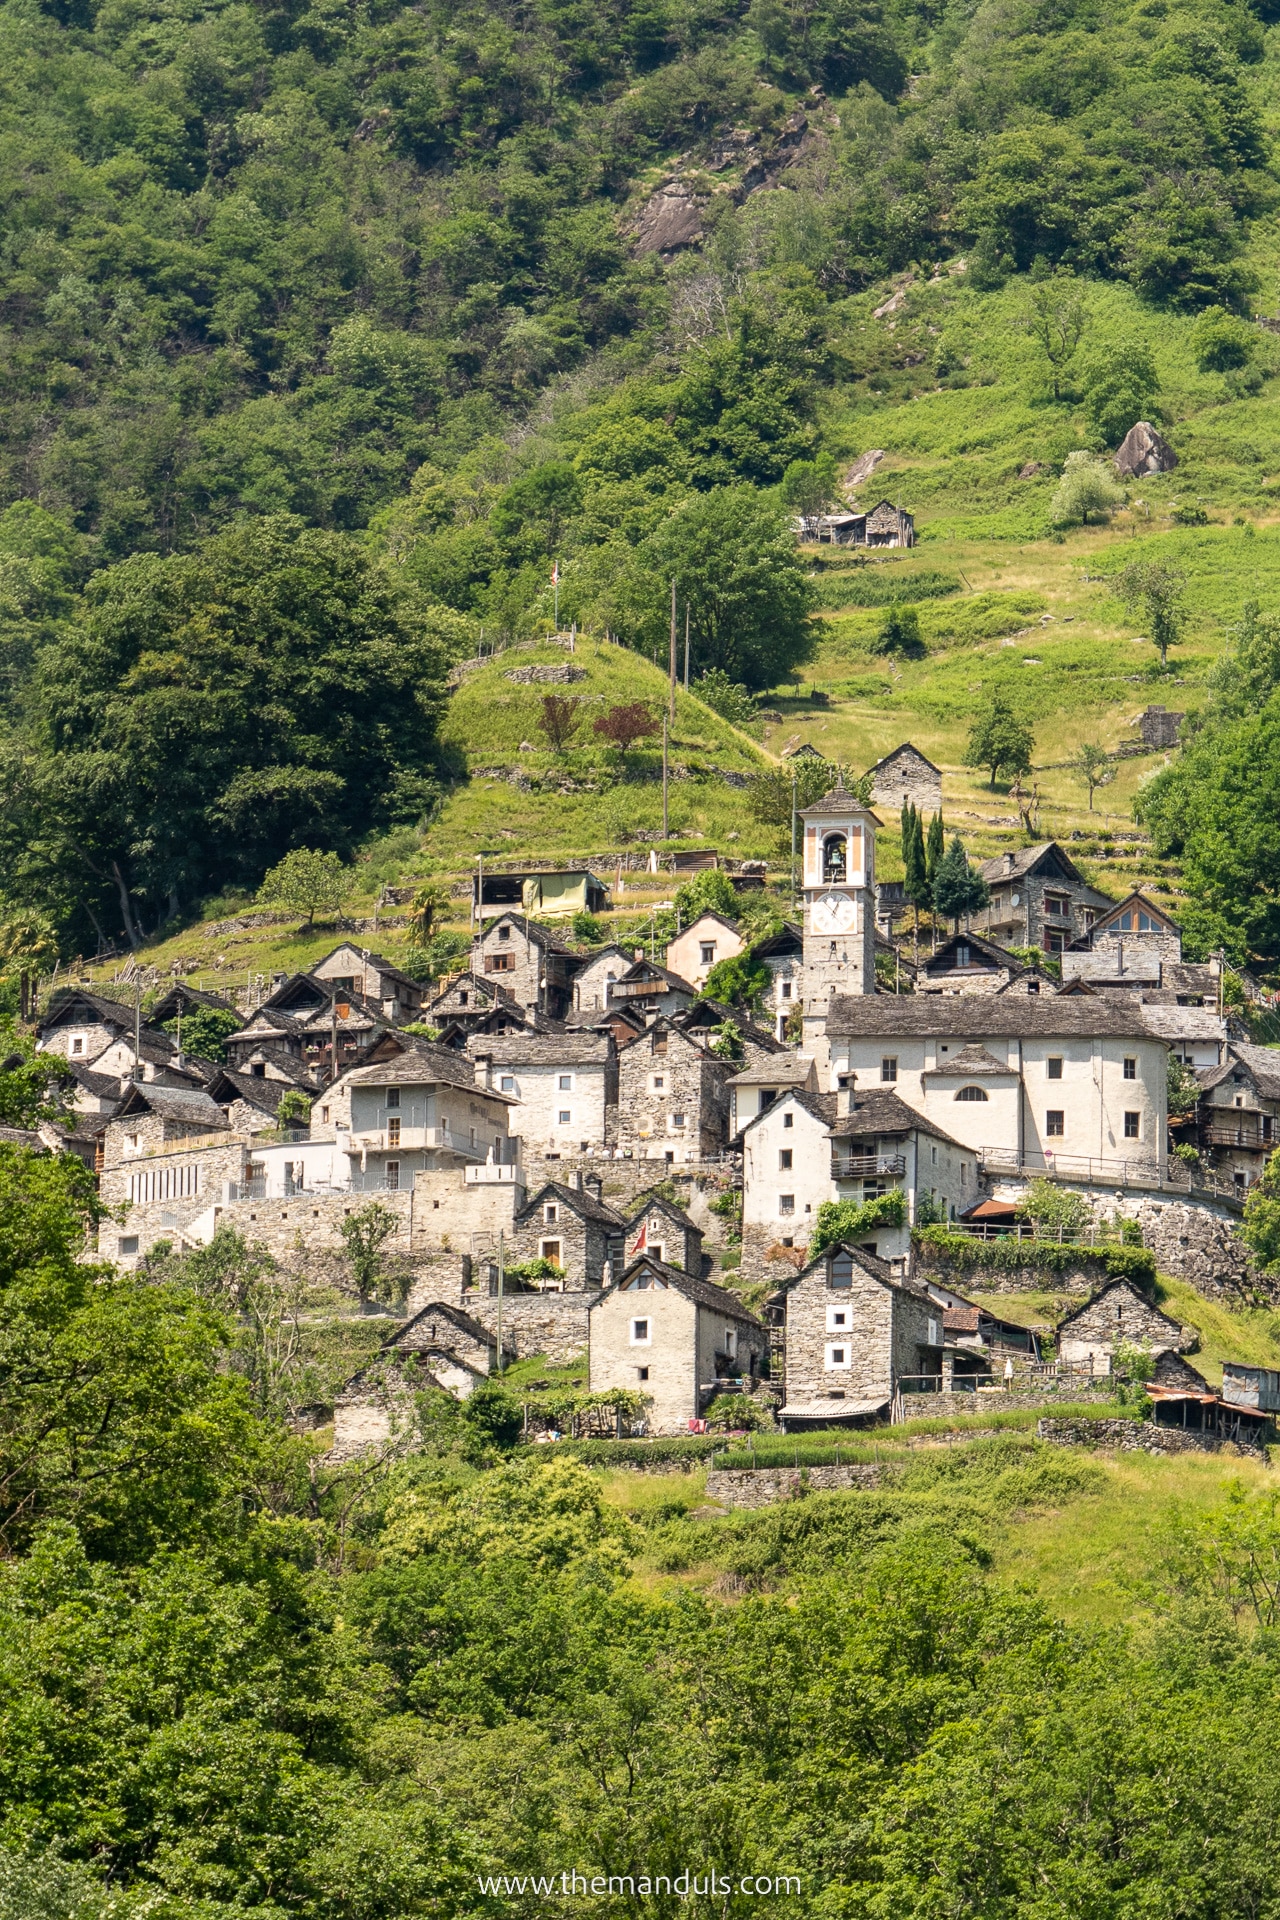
x=555 y=582
x=672 y=664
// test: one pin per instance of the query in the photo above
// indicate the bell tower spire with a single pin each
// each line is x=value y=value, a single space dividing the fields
x=839 y=905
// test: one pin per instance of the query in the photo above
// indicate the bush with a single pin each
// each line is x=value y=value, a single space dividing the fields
x=729 y=698
x=1088 y=485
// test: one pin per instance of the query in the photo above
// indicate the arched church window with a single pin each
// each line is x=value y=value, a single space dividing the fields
x=833 y=857
x=972 y=1093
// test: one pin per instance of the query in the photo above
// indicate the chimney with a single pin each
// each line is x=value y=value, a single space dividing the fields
x=639 y=953
x=595 y=1186
x=575 y=1180
x=845 y=1094
x=606 y=1274
x=1008 y=863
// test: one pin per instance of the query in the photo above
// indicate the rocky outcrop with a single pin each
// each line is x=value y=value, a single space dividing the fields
x=1143 y=451
x=669 y=221
x=1197 y=1241
x=545 y=676
x=863 y=467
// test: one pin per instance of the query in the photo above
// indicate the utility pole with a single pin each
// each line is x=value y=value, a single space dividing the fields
x=502 y=1269
x=671 y=667
x=794 y=906
x=137 y=1029
x=686 y=648
x=665 y=821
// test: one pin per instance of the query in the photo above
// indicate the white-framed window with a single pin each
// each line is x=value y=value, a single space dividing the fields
x=839 y=1356
x=77 y=1045
x=550 y=1250
x=889 y=1067
x=640 y=1336
x=507 y=1084
x=551 y=1213
x=707 y=952
x=565 y=1117
x=839 y=1319
x=1055 y=1123
x=566 y=1083
x=657 y=1082
x=677 y=1120
x=786 y=1204
x=1130 y=1067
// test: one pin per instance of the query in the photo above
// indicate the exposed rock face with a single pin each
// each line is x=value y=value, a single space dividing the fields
x=672 y=219
x=863 y=467
x=1029 y=472
x=1144 y=451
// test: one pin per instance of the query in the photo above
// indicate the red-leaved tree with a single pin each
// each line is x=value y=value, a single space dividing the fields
x=561 y=718
x=623 y=726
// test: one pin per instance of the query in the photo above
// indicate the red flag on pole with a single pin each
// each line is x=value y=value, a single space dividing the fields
x=641 y=1239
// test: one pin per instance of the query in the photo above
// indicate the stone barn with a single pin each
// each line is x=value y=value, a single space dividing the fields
x=905 y=774
x=1119 y=1315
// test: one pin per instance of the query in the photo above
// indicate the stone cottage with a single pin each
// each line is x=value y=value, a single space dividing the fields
x=658 y=1227
x=856 y=1334
x=703 y=944
x=1238 y=1117
x=533 y=964
x=673 y=1100
x=676 y=1339
x=563 y=1087
x=1039 y=898
x=1118 y=1314
x=571 y=1226
x=906 y=775
x=439 y=1347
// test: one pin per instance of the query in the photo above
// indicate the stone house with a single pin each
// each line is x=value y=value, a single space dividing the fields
x=1159 y=727
x=653 y=989
x=1135 y=925
x=906 y=775
x=377 y=981
x=1197 y=1035
x=1039 y=898
x=757 y=1087
x=658 y=1227
x=251 y=1103
x=592 y=985
x=703 y=944
x=673 y=1099
x=783 y=954
x=269 y=1045
x=467 y=1000
x=80 y=1025
x=1076 y=1083
x=856 y=1335
x=533 y=964
x=570 y=1225
x=966 y=963
x=1238 y=1114
x=441 y=1346
x=807 y=1148
x=419 y=1111
x=1118 y=1314
x=676 y=1339
x=563 y=1087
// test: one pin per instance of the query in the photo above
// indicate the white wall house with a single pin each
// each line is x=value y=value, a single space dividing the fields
x=1069 y=1083
x=563 y=1087
x=703 y=944
x=805 y=1149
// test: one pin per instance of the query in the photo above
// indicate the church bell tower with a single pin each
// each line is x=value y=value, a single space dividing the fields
x=839 y=906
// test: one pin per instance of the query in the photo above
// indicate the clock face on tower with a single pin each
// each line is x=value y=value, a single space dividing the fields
x=833 y=913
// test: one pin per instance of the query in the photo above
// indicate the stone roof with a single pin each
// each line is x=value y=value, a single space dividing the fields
x=703 y=1292
x=641 y=970
x=103 y=1086
x=791 y=1068
x=109 y=1012
x=971 y=1060
x=1184 y=1023
x=839 y=800
x=897 y=754
x=253 y=1088
x=1018 y=863
x=987 y=949
x=871 y=1264
x=578 y=1199
x=191 y=1106
x=532 y=930
x=410 y=1337
x=1261 y=1063
x=646 y=1202
x=1110 y=1287
x=425 y=1064
x=828 y=1408
x=571 y=1047
x=962 y=1016
x=882 y=1112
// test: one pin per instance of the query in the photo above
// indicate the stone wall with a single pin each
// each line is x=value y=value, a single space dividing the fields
x=1134 y=1436
x=663 y=1367
x=765 y=1486
x=1198 y=1241
x=694 y=1084
x=552 y=1324
x=1085 y=1275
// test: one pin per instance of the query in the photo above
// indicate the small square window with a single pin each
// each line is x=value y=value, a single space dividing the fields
x=786 y=1203
x=504 y=933
x=658 y=1083
x=1055 y=1124
x=642 y=1373
x=77 y=1045
x=889 y=1067
x=784 y=1160
x=129 y=1243
x=639 y=1333
x=788 y=1120
x=1131 y=1126
x=566 y=1117
x=508 y=1083
x=707 y=952
x=1054 y=1069
x=1130 y=1067
x=393 y=1096
x=566 y=1082
x=677 y=1119
x=551 y=1212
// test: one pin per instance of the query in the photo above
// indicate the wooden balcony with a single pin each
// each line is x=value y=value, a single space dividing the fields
x=867 y=1166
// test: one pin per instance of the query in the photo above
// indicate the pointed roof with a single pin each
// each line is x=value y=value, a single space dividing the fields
x=579 y=1200
x=970 y=1060
x=839 y=801
x=703 y=1293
